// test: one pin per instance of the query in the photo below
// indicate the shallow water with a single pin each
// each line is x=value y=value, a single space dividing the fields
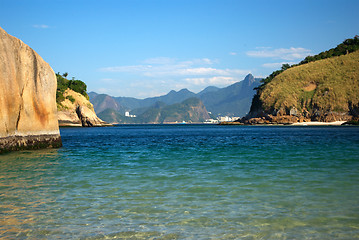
x=185 y=182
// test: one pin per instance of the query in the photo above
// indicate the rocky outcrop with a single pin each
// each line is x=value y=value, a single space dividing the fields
x=77 y=111
x=266 y=118
x=28 y=114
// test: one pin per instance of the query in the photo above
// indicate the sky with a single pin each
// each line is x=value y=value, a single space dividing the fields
x=146 y=48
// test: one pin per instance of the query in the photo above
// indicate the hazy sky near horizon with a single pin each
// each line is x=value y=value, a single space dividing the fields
x=145 y=48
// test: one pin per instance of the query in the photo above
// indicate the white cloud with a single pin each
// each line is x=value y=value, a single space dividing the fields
x=160 y=75
x=276 y=65
x=167 y=67
x=233 y=53
x=280 y=53
x=218 y=80
x=43 y=26
x=211 y=71
x=200 y=61
x=200 y=71
x=103 y=90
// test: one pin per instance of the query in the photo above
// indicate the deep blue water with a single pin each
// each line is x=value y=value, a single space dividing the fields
x=185 y=182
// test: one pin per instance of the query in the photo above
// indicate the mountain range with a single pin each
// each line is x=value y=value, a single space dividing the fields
x=233 y=100
x=191 y=110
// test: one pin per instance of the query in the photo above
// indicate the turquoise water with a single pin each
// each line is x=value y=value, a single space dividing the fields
x=185 y=182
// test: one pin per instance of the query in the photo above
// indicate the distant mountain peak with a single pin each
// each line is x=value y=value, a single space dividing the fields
x=249 y=80
x=184 y=90
x=233 y=100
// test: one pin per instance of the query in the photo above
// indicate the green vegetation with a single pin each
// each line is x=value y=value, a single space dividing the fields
x=348 y=46
x=71 y=98
x=63 y=83
x=319 y=87
x=306 y=98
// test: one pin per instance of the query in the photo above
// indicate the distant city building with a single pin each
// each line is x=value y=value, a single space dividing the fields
x=211 y=121
x=127 y=114
x=227 y=119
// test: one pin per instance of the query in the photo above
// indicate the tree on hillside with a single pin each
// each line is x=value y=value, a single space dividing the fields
x=285 y=66
x=63 y=83
x=347 y=46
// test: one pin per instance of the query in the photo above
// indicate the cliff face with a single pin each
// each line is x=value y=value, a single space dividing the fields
x=28 y=114
x=77 y=111
x=325 y=90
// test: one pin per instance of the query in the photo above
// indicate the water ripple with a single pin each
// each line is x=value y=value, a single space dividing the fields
x=185 y=182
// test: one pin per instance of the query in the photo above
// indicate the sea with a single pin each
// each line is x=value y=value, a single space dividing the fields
x=185 y=182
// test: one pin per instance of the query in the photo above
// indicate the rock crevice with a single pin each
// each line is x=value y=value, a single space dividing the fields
x=78 y=113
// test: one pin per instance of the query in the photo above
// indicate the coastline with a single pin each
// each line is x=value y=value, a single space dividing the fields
x=336 y=123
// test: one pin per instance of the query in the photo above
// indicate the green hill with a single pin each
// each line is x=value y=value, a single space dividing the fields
x=318 y=90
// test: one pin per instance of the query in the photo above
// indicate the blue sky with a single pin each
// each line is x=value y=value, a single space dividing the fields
x=146 y=48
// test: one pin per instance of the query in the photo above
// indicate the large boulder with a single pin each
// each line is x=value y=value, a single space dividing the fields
x=28 y=113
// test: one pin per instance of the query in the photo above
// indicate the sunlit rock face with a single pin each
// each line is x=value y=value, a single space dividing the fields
x=28 y=113
x=78 y=113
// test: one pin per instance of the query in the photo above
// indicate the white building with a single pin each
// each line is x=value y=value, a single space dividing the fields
x=224 y=119
x=127 y=114
x=211 y=121
x=227 y=119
